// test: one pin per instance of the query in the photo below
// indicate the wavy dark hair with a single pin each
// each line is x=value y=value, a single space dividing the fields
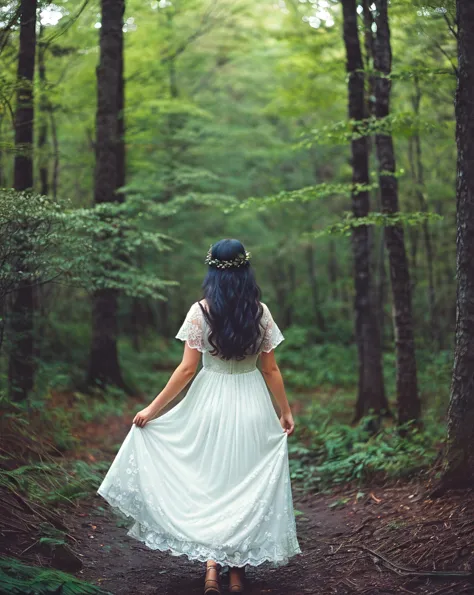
x=233 y=308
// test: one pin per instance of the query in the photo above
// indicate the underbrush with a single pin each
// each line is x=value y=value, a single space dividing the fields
x=19 y=579
x=328 y=452
x=334 y=365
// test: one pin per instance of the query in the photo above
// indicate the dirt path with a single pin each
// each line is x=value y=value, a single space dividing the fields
x=394 y=520
x=125 y=566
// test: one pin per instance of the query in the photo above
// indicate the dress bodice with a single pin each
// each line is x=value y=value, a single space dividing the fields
x=232 y=366
x=195 y=332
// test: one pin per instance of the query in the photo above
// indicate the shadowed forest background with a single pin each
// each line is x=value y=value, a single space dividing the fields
x=324 y=134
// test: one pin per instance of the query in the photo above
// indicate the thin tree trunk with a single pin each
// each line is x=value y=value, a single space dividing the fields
x=459 y=459
x=104 y=367
x=318 y=317
x=408 y=401
x=54 y=137
x=381 y=287
x=21 y=366
x=2 y=174
x=371 y=391
x=420 y=184
x=333 y=271
x=413 y=231
x=43 y=122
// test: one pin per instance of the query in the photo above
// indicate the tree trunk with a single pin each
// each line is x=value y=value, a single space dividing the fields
x=408 y=401
x=104 y=367
x=54 y=137
x=333 y=271
x=420 y=187
x=43 y=122
x=381 y=287
x=318 y=318
x=21 y=366
x=371 y=391
x=459 y=460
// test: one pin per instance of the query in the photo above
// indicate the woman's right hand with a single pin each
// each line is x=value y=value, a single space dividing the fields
x=143 y=417
x=287 y=423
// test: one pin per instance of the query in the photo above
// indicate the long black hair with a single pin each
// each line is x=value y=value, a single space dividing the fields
x=233 y=308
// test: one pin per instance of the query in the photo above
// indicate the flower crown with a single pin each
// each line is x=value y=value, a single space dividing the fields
x=241 y=260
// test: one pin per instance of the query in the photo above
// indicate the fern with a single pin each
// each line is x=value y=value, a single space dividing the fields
x=19 y=579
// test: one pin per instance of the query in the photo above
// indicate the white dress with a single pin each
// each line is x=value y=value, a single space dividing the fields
x=210 y=477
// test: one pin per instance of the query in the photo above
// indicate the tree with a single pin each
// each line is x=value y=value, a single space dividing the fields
x=21 y=367
x=104 y=366
x=43 y=110
x=459 y=458
x=408 y=401
x=371 y=391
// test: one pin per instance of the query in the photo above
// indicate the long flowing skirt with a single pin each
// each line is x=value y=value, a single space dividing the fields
x=210 y=477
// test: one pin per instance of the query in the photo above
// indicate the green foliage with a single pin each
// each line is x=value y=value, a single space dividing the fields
x=328 y=453
x=349 y=222
x=55 y=482
x=17 y=578
x=38 y=242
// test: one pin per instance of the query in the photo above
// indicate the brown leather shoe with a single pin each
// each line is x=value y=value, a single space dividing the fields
x=212 y=585
x=236 y=585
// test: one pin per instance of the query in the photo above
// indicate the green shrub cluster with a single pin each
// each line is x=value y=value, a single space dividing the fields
x=328 y=452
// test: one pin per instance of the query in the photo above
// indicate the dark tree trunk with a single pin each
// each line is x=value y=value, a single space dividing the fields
x=43 y=123
x=408 y=401
x=459 y=461
x=2 y=174
x=104 y=367
x=21 y=366
x=24 y=115
x=371 y=391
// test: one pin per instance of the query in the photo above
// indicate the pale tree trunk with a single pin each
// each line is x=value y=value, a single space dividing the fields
x=408 y=402
x=43 y=121
x=21 y=365
x=459 y=458
x=318 y=317
x=420 y=193
x=104 y=366
x=371 y=391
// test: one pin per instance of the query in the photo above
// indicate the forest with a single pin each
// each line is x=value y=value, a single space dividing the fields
x=335 y=139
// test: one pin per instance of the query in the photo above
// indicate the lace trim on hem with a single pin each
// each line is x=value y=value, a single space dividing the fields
x=201 y=556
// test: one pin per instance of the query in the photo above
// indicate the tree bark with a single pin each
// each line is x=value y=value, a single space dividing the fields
x=43 y=123
x=104 y=366
x=371 y=391
x=408 y=402
x=420 y=183
x=21 y=366
x=459 y=459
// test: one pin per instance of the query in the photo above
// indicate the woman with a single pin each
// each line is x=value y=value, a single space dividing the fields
x=209 y=478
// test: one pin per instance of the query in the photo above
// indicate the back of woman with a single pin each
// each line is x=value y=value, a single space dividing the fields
x=210 y=478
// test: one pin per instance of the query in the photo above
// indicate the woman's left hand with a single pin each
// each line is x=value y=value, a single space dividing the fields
x=287 y=423
x=143 y=417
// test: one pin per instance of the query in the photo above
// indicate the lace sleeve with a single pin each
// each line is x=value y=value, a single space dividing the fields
x=191 y=329
x=272 y=335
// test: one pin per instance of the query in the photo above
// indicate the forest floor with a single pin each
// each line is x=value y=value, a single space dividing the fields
x=371 y=541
